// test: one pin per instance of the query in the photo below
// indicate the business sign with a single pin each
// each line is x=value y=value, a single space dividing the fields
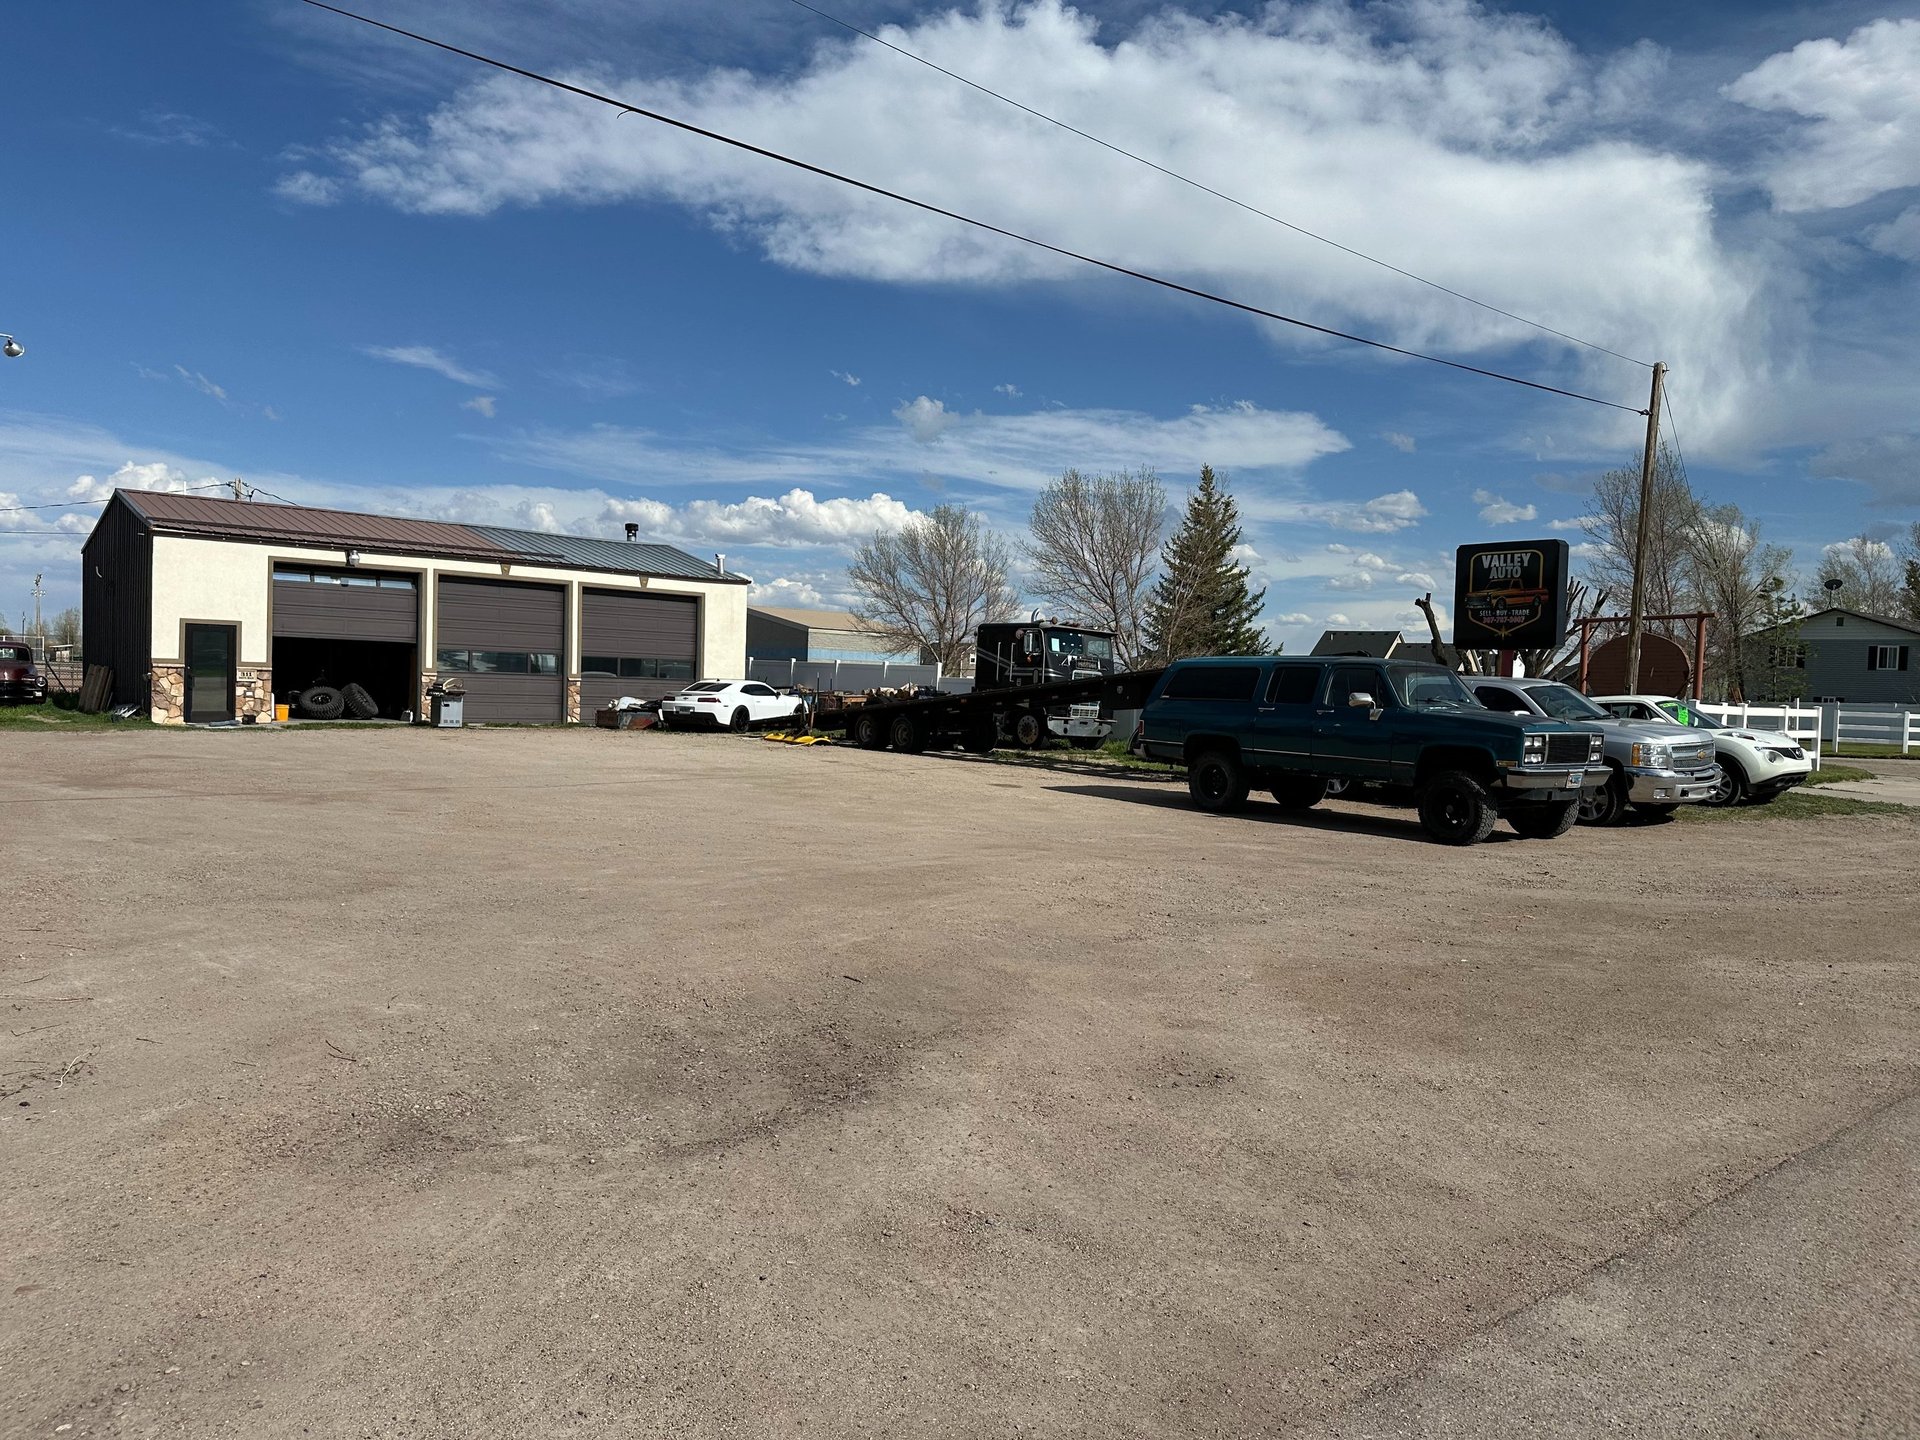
x=1510 y=597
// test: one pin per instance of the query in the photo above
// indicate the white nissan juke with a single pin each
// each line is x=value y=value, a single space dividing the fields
x=1755 y=765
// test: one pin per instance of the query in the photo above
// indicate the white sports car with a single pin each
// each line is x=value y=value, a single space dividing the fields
x=736 y=705
x=1756 y=765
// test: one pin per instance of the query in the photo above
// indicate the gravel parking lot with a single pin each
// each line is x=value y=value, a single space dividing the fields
x=399 y=1083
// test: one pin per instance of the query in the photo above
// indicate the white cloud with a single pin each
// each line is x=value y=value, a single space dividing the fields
x=845 y=378
x=1862 y=98
x=1889 y=465
x=1419 y=579
x=480 y=404
x=1337 y=619
x=303 y=187
x=425 y=357
x=1293 y=617
x=795 y=518
x=1496 y=511
x=1899 y=237
x=1576 y=523
x=1356 y=580
x=1401 y=442
x=925 y=419
x=1010 y=390
x=1481 y=123
x=1861 y=549
x=170 y=127
x=1383 y=513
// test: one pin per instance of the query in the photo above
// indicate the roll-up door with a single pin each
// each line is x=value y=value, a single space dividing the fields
x=640 y=645
x=506 y=643
x=344 y=605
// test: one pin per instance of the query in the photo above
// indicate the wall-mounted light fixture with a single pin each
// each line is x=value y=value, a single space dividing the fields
x=12 y=348
x=353 y=557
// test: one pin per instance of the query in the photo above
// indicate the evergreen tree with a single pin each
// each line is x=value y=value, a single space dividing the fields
x=1201 y=604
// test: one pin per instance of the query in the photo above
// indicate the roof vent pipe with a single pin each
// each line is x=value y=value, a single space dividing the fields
x=633 y=530
x=720 y=563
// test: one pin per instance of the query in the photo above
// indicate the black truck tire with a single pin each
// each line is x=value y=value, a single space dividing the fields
x=1455 y=809
x=1300 y=792
x=868 y=733
x=905 y=735
x=322 y=702
x=1548 y=821
x=1217 y=782
x=359 y=703
x=1029 y=729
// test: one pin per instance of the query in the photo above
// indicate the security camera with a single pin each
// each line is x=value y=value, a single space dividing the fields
x=13 y=349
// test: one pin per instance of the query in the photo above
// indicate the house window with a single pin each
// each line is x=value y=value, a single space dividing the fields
x=1886 y=657
x=1786 y=657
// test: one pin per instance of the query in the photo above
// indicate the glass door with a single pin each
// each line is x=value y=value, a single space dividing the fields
x=210 y=672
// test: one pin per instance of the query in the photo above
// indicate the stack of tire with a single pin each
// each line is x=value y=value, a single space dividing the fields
x=324 y=702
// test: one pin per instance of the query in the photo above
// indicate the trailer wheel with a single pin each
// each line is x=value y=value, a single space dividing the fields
x=905 y=735
x=1030 y=730
x=867 y=733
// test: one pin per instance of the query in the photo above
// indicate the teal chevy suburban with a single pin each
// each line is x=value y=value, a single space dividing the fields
x=1292 y=726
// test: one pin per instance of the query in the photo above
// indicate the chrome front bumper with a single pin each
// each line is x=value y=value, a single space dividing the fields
x=1542 y=781
x=1670 y=787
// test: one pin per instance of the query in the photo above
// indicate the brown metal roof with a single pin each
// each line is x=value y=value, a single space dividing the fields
x=301 y=524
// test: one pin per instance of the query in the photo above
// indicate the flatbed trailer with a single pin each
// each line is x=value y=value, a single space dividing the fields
x=982 y=719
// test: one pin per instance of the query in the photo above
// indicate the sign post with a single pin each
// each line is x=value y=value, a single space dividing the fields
x=1510 y=597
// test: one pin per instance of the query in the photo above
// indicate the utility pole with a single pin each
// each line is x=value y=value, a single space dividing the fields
x=1637 y=607
x=39 y=626
x=238 y=494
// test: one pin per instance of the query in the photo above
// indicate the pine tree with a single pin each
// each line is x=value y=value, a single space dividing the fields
x=1201 y=604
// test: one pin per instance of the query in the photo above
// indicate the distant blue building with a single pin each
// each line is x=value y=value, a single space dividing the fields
x=780 y=634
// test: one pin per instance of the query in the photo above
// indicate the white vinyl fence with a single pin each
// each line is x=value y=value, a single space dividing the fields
x=1855 y=725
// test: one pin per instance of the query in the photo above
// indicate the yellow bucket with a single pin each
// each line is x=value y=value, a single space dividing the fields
x=282 y=712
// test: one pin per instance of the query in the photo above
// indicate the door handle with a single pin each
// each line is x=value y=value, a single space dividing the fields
x=1266 y=709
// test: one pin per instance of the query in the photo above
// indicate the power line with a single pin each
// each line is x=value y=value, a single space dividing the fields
x=1200 y=185
x=933 y=209
x=76 y=504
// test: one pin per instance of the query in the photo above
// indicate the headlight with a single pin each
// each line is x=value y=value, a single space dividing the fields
x=1652 y=757
x=1596 y=748
x=1533 y=749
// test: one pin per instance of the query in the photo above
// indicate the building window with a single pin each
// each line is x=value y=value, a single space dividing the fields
x=500 y=662
x=1786 y=657
x=1886 y=657
x=632 y=667
x=363 y=579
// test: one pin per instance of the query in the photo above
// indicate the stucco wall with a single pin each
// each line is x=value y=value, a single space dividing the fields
x=229 y=582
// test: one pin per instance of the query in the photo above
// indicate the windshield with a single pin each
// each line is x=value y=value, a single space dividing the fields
x=1682 y=712
x=1073 y=642
x=1562 y=702
x=1423 y=689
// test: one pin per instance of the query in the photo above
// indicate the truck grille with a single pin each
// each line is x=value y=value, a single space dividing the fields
x=1692 y=754
x=1569 y=749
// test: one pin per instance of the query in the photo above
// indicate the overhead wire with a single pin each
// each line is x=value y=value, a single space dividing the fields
x=1173 y=174
x=99 y=500
x=933 y=209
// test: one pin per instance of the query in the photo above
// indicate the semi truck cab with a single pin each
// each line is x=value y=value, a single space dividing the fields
x=1039 y=652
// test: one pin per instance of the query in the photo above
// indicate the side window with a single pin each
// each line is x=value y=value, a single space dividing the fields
x=1496 y=697
x=1623 y=712
x=1294 y=684
x=756 y=689
x=1357 y=680
x=1213 y=682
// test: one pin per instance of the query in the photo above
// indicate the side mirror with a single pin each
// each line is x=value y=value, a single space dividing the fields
x=1360 y=700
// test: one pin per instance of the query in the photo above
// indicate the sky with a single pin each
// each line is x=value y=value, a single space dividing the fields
x=250 y=238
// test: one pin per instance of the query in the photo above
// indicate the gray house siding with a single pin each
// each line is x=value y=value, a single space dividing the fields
x=1838 y=647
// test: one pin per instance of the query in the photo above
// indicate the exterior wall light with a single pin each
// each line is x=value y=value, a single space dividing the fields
x=353 y=557
x=12 y=349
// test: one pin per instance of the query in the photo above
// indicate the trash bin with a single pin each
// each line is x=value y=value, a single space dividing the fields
x=447 y=703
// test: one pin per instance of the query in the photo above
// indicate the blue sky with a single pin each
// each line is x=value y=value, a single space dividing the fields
x=263 y=241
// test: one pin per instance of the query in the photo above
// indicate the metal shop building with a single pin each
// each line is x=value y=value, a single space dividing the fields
x=208 y=610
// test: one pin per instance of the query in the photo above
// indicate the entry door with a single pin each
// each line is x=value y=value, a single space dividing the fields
x=210 y=672
x=1346 y=740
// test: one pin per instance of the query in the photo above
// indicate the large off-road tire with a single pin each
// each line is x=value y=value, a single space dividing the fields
x=905 y=735
x=1217 y=782
x=321 y=702
x=1455 y=809
x=1300 y=792
x=1605 y=806
x=1729 y=786
x=1544 y=822
x=358 y=702
x=867 y=731
x=1029 y=730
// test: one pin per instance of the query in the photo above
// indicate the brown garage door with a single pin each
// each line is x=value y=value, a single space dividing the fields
x=640 y=645
x=311 y=604
x=505 y=642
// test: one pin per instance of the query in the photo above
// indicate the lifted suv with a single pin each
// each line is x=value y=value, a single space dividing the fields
x=1292 y=726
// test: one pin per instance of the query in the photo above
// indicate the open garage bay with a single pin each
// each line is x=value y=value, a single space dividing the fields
x=602 y=1083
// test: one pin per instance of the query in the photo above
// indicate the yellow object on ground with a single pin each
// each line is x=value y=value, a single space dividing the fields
x=283 y=712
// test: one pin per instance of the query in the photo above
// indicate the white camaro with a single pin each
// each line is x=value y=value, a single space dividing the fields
x=736 y=705
x=1756 y=765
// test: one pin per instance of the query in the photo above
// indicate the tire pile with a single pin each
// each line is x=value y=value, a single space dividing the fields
x=324 y=702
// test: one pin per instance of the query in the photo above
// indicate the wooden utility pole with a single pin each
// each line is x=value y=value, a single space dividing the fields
x=1637 y=606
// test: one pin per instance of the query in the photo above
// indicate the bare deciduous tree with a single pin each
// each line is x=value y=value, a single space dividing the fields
x=1731 y=573
x=1612 y=526
x=1092 y=550
x=1870 y=574
x=933 y=582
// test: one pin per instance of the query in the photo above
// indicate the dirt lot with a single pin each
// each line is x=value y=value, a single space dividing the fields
x=592 y=1084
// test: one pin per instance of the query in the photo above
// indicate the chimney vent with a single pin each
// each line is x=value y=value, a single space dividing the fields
x=720 y=563
x=633 y=530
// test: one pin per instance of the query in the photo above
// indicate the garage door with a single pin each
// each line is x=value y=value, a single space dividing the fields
x=311 y=604
x=505 y=642
x=640 y=645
